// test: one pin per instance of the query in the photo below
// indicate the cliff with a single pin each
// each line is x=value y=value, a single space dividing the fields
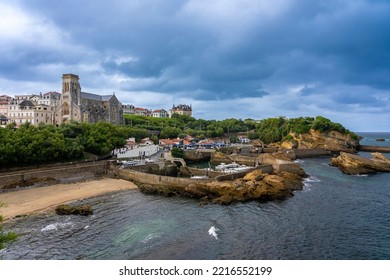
x=332 y=141
x=353 y=164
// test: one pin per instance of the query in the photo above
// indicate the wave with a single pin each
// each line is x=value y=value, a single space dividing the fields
x=213 y=232
x=57 y=226
x=149 y=237
x=307 y=182
x=299 y=161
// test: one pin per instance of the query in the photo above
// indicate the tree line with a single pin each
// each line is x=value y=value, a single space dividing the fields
x=30 y=144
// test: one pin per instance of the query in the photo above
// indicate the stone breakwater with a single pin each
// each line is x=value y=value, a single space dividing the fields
x=378 y=149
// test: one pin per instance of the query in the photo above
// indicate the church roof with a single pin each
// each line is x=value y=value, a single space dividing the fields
x=92 y=96
x=106 y=97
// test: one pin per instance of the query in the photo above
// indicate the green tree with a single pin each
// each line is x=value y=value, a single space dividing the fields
x=177 y=152
x=170 y=132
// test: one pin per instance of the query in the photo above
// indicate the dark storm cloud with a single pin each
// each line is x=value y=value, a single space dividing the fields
x=309 y=52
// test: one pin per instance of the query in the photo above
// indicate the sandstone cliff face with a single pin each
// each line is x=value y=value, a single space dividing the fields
x=354 y=165
x=331 y=141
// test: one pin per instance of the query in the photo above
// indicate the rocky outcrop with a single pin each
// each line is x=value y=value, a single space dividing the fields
x=353 y=164
x=332 y=141
x=82 y=210
x=197 y=155
x=219 y=157
x=254 y=186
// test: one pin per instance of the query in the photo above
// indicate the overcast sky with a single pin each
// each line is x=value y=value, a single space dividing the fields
x=227 y=58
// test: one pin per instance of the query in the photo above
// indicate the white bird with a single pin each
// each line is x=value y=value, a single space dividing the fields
x=213 y=232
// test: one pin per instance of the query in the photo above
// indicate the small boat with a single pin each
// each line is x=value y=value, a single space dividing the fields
x=199 y=177
x=224 y=166
x=231 y=167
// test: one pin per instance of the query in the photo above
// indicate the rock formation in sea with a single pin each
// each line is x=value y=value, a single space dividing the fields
x=255 y=185
x=332 y=141
x=353 y=164
x=82 y=210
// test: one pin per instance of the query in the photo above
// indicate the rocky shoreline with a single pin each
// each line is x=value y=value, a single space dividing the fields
x=274 y=178
x=255 y=185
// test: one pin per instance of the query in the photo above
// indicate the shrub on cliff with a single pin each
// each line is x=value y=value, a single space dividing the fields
x=276 y=129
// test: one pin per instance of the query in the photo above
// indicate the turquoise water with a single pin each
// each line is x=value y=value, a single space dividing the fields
x=335 y=216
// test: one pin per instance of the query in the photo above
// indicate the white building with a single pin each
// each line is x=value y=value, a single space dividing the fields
x=160 y=113
x=128 y=109
x=23 y=110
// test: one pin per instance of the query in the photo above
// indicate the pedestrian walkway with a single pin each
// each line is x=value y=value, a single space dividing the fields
x=169 y=157
x=138 y=152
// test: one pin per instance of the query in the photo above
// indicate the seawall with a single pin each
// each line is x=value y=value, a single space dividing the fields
x=373 y=149
x=51 y=174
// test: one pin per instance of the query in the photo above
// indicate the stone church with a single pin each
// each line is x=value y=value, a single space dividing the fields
x=86 y=107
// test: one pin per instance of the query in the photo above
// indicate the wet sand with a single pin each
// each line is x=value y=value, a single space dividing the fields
x=28 y=201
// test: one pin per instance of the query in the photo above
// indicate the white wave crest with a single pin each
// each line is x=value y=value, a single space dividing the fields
x=57 y=226
x=149 y=237
x=312 y=179
x=213 y=232
x=307 y=182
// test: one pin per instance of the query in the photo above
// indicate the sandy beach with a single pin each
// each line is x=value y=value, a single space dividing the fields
x=40 y=199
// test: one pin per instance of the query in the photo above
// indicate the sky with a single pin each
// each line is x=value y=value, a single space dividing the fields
x=227 y=58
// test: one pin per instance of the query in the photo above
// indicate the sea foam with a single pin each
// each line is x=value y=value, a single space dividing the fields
x=56 y=226
x=307 y=182
x=213 y=232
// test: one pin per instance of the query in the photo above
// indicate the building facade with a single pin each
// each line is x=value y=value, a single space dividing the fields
x=86 y=107
x=128 y=109
x=160 y=113
x=181 y=109
x=23 y=109
x=56 y=108
x=4 y=101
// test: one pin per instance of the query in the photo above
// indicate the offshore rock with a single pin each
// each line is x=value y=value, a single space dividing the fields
x=82 y=210
x=353 y=165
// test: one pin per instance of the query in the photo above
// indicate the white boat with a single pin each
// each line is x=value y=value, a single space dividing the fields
x=231 y=167
x=199 y=177
x=224 y=166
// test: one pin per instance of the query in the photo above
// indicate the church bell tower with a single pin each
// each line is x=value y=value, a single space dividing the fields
x=71 y=101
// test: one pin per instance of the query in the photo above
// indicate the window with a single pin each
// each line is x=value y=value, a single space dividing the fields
x=66 y=108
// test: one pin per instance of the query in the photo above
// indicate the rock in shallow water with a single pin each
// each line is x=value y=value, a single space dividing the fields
x=354 y=165
x=82 y=210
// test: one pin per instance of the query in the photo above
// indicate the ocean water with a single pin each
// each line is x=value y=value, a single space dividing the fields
x=335 y=216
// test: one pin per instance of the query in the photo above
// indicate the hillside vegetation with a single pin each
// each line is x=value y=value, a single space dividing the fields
x=30 y=144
